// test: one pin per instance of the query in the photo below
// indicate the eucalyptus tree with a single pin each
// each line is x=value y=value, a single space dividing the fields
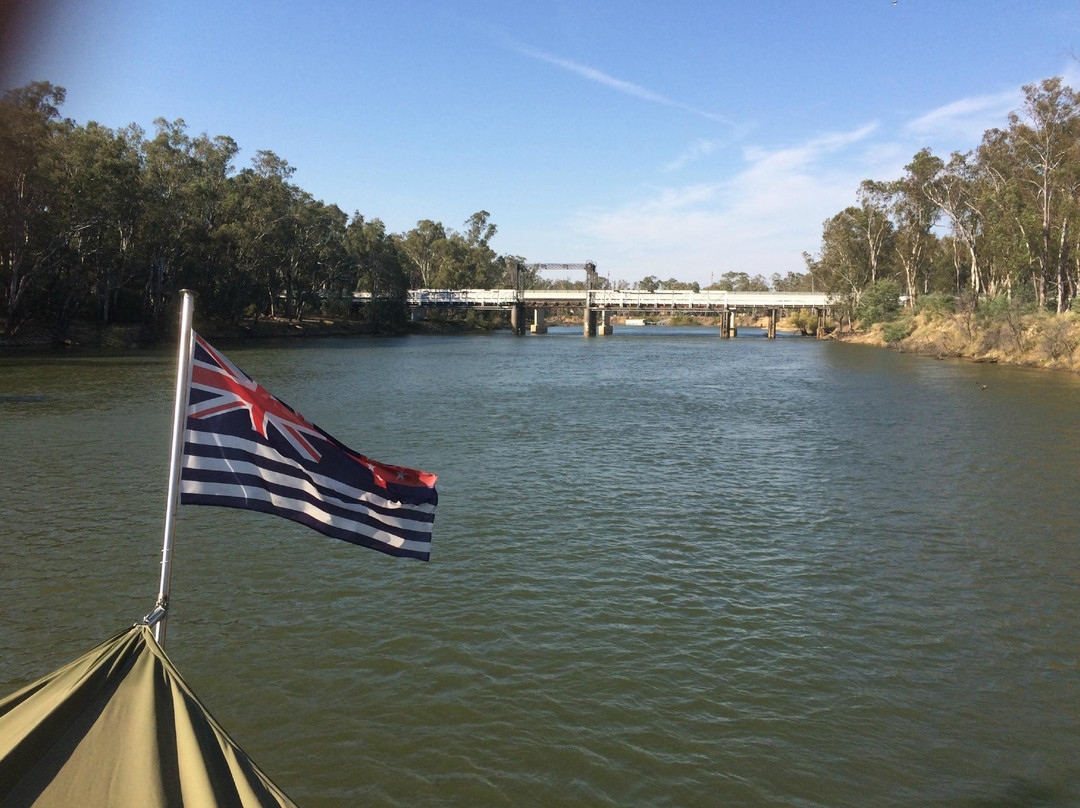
x=914 y=214
x=29 y=122
x=674 y=285
x=186 y=189
x=163 y=232
x=382 y=268
x=844 y=265
x=260 y=230
x=872 y=220
x=208 y=264
x=313 y=251
x=792 y=282
x=732 y=281
x=957 y=192
x=425 y=248
x=483 y=268
x=94 y=209
x=1009 y=220
x=1045 y=142
x=323 y=229
x=380 y=263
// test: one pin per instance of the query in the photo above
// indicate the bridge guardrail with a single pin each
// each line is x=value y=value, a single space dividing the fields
x=611 y=298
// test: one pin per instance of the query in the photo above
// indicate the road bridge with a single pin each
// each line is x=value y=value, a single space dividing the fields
x=598 y=305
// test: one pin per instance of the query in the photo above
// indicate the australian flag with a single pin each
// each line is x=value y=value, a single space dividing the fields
x=244 y=448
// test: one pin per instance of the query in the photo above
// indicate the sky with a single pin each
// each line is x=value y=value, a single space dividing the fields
x=677 y=139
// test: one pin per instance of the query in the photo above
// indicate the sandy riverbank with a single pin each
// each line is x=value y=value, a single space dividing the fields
x=1031 y=340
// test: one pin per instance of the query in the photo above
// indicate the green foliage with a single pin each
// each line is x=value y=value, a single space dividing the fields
x=1002 y=309
x=806 y=320
x=740 y=282
x=936 y=305
x=793 y=282
x=898 y=329
x=386 y=316
x=108 y=225
x=1003 y=323
x=485 y=320
x=1001 y=218
x=1060 y=337
x=879 y=303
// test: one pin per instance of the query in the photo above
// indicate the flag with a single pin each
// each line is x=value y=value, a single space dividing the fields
x=244 y=448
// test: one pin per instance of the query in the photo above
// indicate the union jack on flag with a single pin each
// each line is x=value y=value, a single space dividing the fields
x=244 y=448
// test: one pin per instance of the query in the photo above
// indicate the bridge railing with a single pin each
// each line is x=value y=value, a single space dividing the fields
x=610 y=298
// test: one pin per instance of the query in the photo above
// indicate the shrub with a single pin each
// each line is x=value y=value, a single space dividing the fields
x=879 y=303
x=936 y=305
x=898 y=329
x=1003 y=320
x=1058 y=338
x=805 y=320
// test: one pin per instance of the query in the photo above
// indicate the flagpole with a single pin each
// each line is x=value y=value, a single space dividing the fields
x=183 y=382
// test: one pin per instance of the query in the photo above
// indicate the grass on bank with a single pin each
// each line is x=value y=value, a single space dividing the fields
x=994 y=329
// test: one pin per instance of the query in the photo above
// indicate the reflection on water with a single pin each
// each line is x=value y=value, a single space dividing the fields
x=668 y=569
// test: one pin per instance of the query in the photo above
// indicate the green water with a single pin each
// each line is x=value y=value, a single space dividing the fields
x=668 y=570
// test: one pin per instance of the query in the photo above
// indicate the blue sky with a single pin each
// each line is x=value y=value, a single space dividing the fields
x=677 y=139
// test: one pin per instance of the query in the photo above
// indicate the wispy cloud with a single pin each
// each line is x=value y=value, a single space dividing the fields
x=759 y=220
x=967 y=119
x=698 y=150
x=619 y=85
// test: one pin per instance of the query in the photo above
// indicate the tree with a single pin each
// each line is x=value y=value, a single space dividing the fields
x=955 y=191
x=262 y=210
x=873 y=222
x=1045 y=141
x=28 y=124
x=844 y=266
x=915 y=213
x=93 y=211
x=793 y=282
x=424 y=246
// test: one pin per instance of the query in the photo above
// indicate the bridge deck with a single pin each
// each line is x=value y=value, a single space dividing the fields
x=625 y=300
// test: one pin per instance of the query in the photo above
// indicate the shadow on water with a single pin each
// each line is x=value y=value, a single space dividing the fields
x=1023 y=793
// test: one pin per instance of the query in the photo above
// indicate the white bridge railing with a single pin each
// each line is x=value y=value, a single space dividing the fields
x=608 y=298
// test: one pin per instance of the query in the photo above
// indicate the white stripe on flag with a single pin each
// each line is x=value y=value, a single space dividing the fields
x=304 y=507
x=332 y=483
x=217 y=464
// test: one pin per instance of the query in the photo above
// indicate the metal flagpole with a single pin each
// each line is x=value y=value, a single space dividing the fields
x=158 y=617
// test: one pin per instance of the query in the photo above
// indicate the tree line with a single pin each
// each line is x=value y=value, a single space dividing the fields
x=1002 y=219
x=106 y=225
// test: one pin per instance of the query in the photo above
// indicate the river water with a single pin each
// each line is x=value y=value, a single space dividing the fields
x=668 y=570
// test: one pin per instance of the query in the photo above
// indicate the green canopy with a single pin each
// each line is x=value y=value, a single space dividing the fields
x=119 y=727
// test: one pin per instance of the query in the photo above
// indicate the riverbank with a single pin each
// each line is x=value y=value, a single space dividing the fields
x=132 y=337
x=1006 y=337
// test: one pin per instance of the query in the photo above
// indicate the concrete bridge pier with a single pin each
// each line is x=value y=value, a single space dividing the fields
x=517 y=318
x=538 y=325
x=820 y=323
x=589 y=322
x=725 y=324
x=772 y=323
x=604 y=327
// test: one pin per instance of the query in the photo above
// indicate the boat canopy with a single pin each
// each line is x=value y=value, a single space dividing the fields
x=119 y=726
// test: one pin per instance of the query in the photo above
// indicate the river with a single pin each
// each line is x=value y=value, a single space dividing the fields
x=667 y=570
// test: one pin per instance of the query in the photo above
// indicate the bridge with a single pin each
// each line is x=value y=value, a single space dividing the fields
x=598 y=305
